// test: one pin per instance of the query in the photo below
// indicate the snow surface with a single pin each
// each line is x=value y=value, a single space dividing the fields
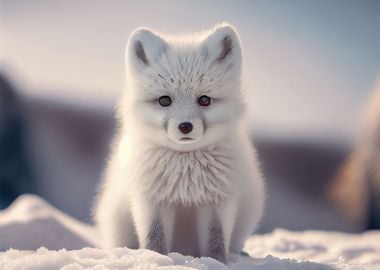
x=35 y=235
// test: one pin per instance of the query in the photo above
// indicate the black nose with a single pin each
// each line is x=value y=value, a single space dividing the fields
x=185 y=127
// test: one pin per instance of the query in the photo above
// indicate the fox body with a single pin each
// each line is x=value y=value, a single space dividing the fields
x=183 y=176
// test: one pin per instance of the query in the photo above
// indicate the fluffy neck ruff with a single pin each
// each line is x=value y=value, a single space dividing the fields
x=187 y=178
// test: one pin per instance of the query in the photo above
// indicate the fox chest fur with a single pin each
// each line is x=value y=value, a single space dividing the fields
x=186 y=178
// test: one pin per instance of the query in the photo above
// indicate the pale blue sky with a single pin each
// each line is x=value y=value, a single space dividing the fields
x=309 y=65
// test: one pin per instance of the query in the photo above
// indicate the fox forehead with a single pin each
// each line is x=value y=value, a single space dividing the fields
x=190 y=64
x=188 y=72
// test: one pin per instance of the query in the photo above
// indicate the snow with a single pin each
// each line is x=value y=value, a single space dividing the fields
x=30 y=223
x=35 y=235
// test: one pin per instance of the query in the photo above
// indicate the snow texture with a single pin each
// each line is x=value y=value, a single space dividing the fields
x=34 y=235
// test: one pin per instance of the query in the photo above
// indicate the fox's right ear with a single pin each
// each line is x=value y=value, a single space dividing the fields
x=144 y=48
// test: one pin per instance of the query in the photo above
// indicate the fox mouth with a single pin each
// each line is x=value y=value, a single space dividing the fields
x=186 y=139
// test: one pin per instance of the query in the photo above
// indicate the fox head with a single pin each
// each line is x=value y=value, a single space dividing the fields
x=183 y=92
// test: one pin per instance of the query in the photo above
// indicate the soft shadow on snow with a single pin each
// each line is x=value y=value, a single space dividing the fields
x=61 y=242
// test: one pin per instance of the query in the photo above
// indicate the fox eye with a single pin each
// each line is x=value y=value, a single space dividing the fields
x=165 y=101
x=204 y=101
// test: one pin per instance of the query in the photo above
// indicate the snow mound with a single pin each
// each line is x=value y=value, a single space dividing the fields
x=30 y=223
x=38 y=236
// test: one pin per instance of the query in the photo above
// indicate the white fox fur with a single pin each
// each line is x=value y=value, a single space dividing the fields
x=202 y=195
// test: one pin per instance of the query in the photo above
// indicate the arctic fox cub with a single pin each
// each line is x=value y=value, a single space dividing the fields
x=183 y=176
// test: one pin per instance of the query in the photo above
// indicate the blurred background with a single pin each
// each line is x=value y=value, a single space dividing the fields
x=310 y=68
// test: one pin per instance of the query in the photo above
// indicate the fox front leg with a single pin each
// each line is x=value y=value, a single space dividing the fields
x=216 y=244
x=154 y=227
x=155 y=239
x=211 y=235
x=215 y=225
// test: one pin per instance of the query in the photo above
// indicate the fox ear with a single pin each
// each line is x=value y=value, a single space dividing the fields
x=223 y=45
x=144 y=48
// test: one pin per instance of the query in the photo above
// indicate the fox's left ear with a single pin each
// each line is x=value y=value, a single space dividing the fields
x=222 y=45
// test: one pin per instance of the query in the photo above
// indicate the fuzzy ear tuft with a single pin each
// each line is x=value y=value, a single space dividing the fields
x=223 y=44
x=144 y=48
x=140 y=52
x=226 y=48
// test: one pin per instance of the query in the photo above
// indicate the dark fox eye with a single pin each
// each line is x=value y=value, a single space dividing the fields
x=204 y=100
x=165 y=101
